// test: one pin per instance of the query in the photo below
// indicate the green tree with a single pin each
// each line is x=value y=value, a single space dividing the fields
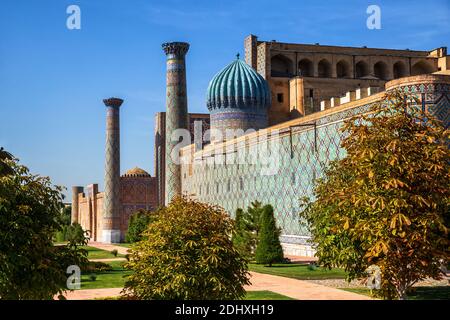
x=186 y=253
x=72 y=233
x=5 y=168
x=138 y=223
x=386 y=203
x=269 y=248
x=31 y=267
x=66 y=215
x=254 y=216
x=242 y=235
x=247 y=229
x=61 y=235
x=76 y=234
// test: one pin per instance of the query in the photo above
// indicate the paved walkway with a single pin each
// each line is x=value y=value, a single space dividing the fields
x=90 y=294
x=300 y=259
x=108 y=247
x=293 y=288
x=108 y=259
x=299 y=289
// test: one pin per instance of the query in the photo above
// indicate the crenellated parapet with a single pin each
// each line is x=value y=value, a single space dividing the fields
x=349 y=96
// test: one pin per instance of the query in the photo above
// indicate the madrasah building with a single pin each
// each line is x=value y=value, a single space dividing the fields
x=287 y=102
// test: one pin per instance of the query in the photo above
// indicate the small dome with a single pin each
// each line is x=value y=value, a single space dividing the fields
x=238 y=86
x=136 y=172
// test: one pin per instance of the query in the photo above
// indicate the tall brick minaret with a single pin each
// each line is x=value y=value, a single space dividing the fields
x=76 y=190
x=111 y=211
x=176 y=112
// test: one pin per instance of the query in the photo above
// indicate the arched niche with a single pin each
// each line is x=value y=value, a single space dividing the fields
x=281 y=66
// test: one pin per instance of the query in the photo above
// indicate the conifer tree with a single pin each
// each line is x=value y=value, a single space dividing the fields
x=247 y=225
x=254 y=213
x=268 y=250
x=242 y=235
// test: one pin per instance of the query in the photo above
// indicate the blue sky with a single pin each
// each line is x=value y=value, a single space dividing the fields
x=53 y=80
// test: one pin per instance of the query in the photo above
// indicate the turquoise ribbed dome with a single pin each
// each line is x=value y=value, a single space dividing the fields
x=238 y=86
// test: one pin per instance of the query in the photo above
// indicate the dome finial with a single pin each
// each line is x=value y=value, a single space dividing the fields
x=237 y=56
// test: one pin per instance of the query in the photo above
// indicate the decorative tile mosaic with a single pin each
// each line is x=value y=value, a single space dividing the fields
x=302 y=156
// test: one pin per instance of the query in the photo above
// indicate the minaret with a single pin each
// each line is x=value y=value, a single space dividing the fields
x=176 y=113
x=76 y=190
x=111 y=211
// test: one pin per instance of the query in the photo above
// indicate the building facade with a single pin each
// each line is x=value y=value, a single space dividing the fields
x=293 y=98
x=299 y=151
x=313 y=89
x=137 y=191
x=302 y=75
x=199 y=120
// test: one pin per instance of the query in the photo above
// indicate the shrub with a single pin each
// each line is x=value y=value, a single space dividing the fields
x=269 y=248
x=76 y=234
x=96 y=266
x=92 y=277
x=138 y=223
x=312 y=266
x=60 y=235
x=187 y=253
x=114 y=252
x=73 y=233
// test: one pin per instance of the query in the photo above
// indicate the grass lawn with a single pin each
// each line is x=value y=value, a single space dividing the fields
x=298 y=271
x=265 y=295
x=95 y=253
x=107 y=279
x=418 y=293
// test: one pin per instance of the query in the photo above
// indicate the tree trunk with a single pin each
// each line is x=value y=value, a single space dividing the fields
x=401 y=291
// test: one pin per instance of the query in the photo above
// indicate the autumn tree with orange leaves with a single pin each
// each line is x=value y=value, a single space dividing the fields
x=386 y=203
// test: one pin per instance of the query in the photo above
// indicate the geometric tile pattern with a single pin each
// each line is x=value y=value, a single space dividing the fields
x=196 y=120
x=435 y=98
x=303 y=155
x=137 y=192
x=176 y=112
x=111 y=212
